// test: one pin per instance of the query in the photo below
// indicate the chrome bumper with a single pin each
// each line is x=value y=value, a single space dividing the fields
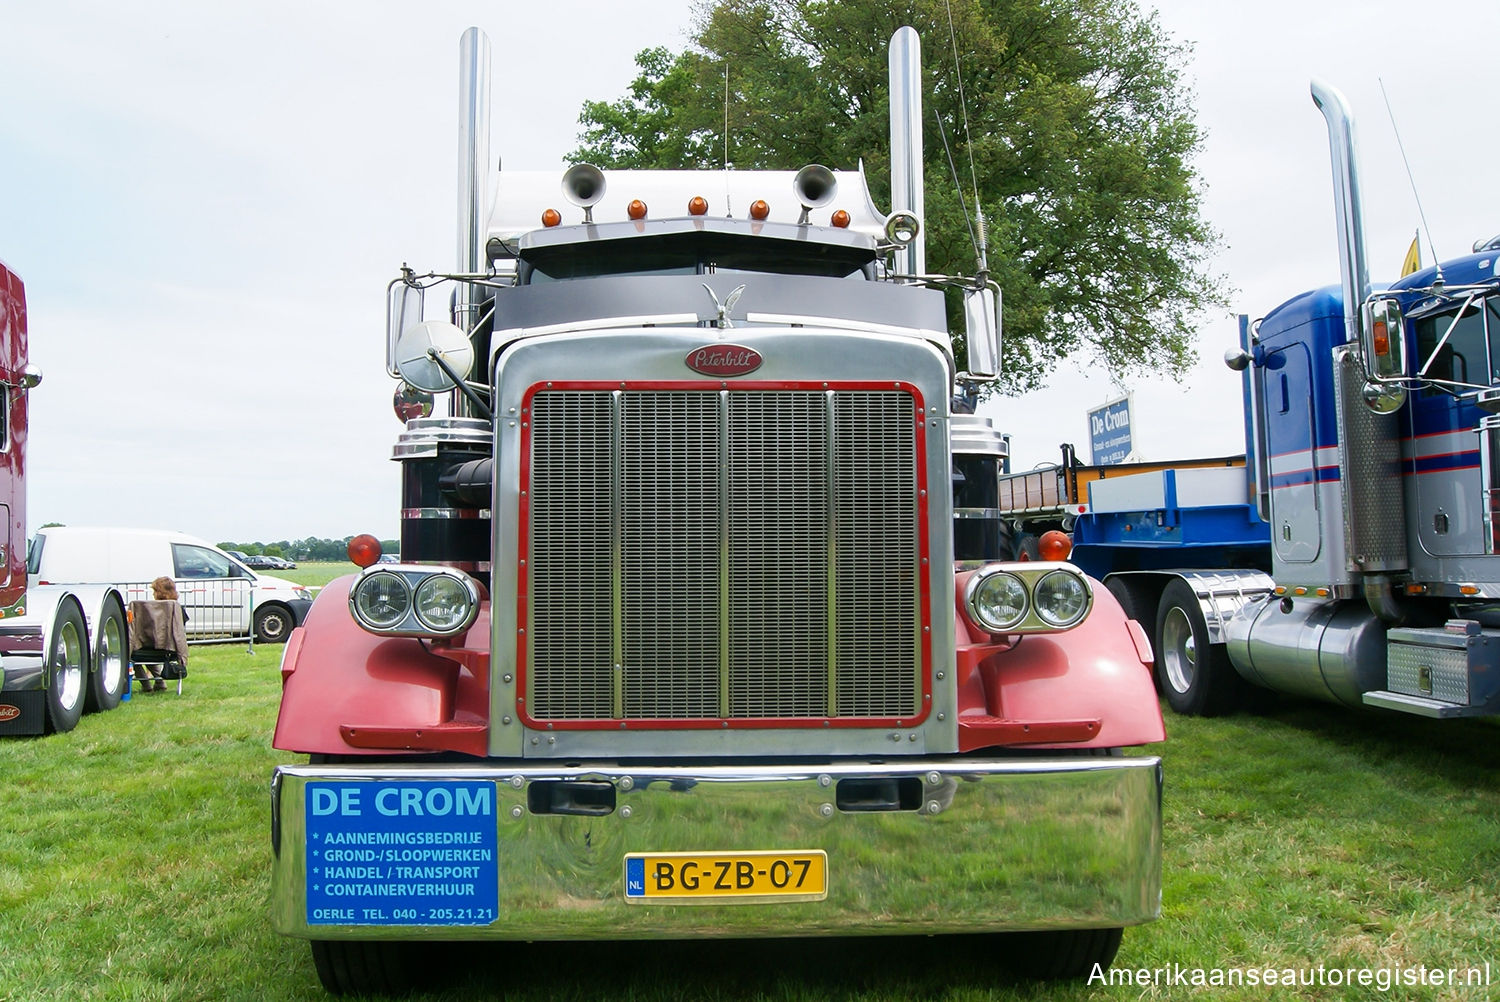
x=972 y=845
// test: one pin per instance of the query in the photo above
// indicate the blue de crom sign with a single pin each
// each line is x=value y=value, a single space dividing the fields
x=1109 y=432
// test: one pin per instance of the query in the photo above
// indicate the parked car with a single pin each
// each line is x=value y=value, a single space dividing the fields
x=222 y=596
x=260 y=562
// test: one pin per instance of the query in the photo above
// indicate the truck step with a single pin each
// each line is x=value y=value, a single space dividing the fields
x=1437 y=709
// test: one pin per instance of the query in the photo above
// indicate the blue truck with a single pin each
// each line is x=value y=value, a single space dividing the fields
x=1355 y=557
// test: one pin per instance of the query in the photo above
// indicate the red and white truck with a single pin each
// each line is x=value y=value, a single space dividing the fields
x=703 y=624
x=62 y=649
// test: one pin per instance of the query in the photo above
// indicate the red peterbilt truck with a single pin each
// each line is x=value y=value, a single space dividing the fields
x=702 y=624
x=62 y=649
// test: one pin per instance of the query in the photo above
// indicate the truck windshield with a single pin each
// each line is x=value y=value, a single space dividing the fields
x=690 y=257
x=1471 y=353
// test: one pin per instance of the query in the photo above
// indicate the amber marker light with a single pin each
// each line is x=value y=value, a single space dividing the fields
x=1054 y=545
x=841 y=219
x=698 y=206
x=551 y=217
x=364 y=549
x=759 y=209
x=636 y=209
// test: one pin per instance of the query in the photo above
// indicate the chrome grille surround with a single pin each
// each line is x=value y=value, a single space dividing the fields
x=713 y=556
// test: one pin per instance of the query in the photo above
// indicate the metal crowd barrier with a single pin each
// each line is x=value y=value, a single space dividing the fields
x=219 y=609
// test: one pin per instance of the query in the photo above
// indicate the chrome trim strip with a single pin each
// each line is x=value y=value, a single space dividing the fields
x=445 y=513
x=1067 y=842
x=600 y=323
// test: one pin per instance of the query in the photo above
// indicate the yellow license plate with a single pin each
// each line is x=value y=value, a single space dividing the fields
x=726 y=877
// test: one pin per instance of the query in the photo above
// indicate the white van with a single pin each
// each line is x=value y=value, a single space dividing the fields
x=222 y=596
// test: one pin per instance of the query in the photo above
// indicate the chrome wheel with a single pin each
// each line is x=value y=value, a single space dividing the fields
x=1179 y=652
x=69 y=675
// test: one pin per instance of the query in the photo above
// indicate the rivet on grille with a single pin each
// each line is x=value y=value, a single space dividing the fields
x=535 y=742
x=625 y=811
x=627 y=783
x=549 y=386
x=942 y=674
x=507 y=679
x=505 y=720
x=826 y=810
x=516 y=782
x=622 y=725
x=942 y=716
x=934 y=778
x=825 y=780
x=911 y=737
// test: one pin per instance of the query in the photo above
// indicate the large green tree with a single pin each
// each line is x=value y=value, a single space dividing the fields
x=1080 y=132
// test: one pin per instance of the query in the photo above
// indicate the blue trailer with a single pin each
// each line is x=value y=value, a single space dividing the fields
x=1356 y=556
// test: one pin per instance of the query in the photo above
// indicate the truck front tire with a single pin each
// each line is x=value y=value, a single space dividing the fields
x=363 y=967
x=1194 y=674
x=67 y=668
x=1063 y=955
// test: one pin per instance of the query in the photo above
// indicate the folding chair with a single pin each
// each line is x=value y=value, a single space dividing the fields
x=158 y=642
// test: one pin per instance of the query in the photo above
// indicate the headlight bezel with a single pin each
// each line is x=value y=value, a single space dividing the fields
x=1031 y=574
x=413 y=578
x=973 y=599
x=1042 y=608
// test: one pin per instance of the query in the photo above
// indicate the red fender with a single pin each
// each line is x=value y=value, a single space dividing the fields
x=1088 y=687
x=349 y=692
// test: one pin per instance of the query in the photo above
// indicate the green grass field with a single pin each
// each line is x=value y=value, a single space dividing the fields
x=134 y=862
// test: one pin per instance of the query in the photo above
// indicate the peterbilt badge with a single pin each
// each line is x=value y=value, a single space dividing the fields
x=723 y=360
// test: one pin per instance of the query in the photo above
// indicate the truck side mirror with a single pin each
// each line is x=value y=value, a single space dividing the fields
x=1383 y=344
x=982 y=323
x=403 y=310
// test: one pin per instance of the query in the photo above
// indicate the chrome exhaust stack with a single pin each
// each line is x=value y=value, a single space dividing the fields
x=906 y=143
x=1353 y=271
x=473 y=176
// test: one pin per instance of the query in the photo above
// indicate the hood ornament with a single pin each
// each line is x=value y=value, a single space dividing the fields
x=724 y=307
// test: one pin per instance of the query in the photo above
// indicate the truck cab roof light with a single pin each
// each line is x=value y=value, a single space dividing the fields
x=760 y=209
x=636 y=209
x=551 y=218
x=698 y=206
x=840 y=219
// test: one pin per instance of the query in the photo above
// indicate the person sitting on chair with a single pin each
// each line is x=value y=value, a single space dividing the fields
x=163 y=589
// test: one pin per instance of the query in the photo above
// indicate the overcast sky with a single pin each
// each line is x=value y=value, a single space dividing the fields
x=206 y=202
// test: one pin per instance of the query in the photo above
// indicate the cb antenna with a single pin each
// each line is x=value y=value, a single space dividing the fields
x=963 y=107
x=1422 y=215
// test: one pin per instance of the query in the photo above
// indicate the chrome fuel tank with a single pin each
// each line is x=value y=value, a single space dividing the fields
x=1330 y=650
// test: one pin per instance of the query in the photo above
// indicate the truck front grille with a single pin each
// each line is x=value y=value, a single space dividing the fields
x=701 y=555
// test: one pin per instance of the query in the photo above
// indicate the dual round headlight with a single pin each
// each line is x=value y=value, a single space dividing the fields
x=1027 y=599
x=414 y=601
